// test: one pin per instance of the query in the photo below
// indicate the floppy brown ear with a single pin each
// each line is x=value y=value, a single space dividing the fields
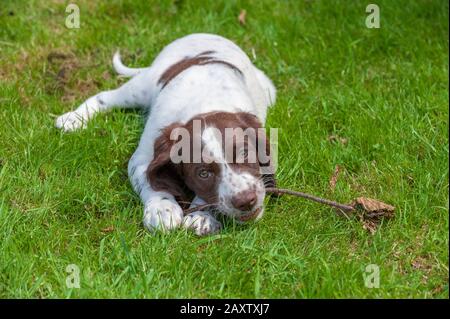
x=267 y=170
x=162 y=173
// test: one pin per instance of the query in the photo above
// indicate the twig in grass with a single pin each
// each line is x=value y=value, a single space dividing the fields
x=280 y=191
x=320 y=200
x=370 y=209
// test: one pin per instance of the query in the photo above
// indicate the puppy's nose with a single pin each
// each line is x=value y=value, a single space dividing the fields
x=244 y=200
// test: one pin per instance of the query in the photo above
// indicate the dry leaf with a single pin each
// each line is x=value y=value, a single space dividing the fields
x=337 y=139
x=334 y=177
x=108 y=229
x=371 y=211
x=421 y=263
x=241 y=17
x=372 y=208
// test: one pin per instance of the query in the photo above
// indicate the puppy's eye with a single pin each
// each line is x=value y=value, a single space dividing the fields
x=203 y=173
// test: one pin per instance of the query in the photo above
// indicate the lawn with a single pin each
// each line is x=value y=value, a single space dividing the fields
x=372 y=101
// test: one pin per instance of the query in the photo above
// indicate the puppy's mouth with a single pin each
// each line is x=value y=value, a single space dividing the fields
x=252 y=215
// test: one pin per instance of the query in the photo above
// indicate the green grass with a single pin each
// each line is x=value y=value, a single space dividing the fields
x=384 y=90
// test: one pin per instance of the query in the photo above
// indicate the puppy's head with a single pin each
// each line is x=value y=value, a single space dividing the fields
x=224 y=158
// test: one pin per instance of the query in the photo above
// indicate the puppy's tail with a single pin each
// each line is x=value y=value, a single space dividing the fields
x=122 y=69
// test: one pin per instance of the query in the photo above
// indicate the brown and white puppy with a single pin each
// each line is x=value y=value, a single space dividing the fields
x=203 y=136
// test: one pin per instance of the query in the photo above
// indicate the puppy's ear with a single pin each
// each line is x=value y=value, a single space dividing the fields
x=263 y=150
x=162 y=173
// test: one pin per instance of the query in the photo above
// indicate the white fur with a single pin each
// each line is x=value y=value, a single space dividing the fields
x=122 y=69
x=201 y=222
x=162 y=213
x=198 y=89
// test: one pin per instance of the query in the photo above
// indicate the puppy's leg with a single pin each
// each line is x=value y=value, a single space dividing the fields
x=131 y=94
x=161 y=211
x=201 y=222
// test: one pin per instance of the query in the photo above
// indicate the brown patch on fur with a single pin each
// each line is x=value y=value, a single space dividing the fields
x=206 y=189
x=200 y=59
x=178 y=179
x=162 y=173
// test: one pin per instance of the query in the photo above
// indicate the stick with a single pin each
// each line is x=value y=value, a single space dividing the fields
x=274 y=190
x=279 y=191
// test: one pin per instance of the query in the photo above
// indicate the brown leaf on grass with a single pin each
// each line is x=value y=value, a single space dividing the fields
x=334 y=178
x=421 y=263
x=108 y=229
x=242 y=16
x=337 y=139
x=372 y=208
x=371 y=211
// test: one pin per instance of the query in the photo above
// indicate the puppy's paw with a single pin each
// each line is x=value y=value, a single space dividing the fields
x=70 y=121
x=162 y=214
x=202 y=223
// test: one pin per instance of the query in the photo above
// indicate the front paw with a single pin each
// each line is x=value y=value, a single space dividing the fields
x=202 y=223
x=69 y=121
x=162 y=214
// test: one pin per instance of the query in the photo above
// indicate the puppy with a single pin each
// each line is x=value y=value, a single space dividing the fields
x=203 y=136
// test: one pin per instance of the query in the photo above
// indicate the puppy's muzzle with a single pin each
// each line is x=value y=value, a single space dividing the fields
x=244 y=201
